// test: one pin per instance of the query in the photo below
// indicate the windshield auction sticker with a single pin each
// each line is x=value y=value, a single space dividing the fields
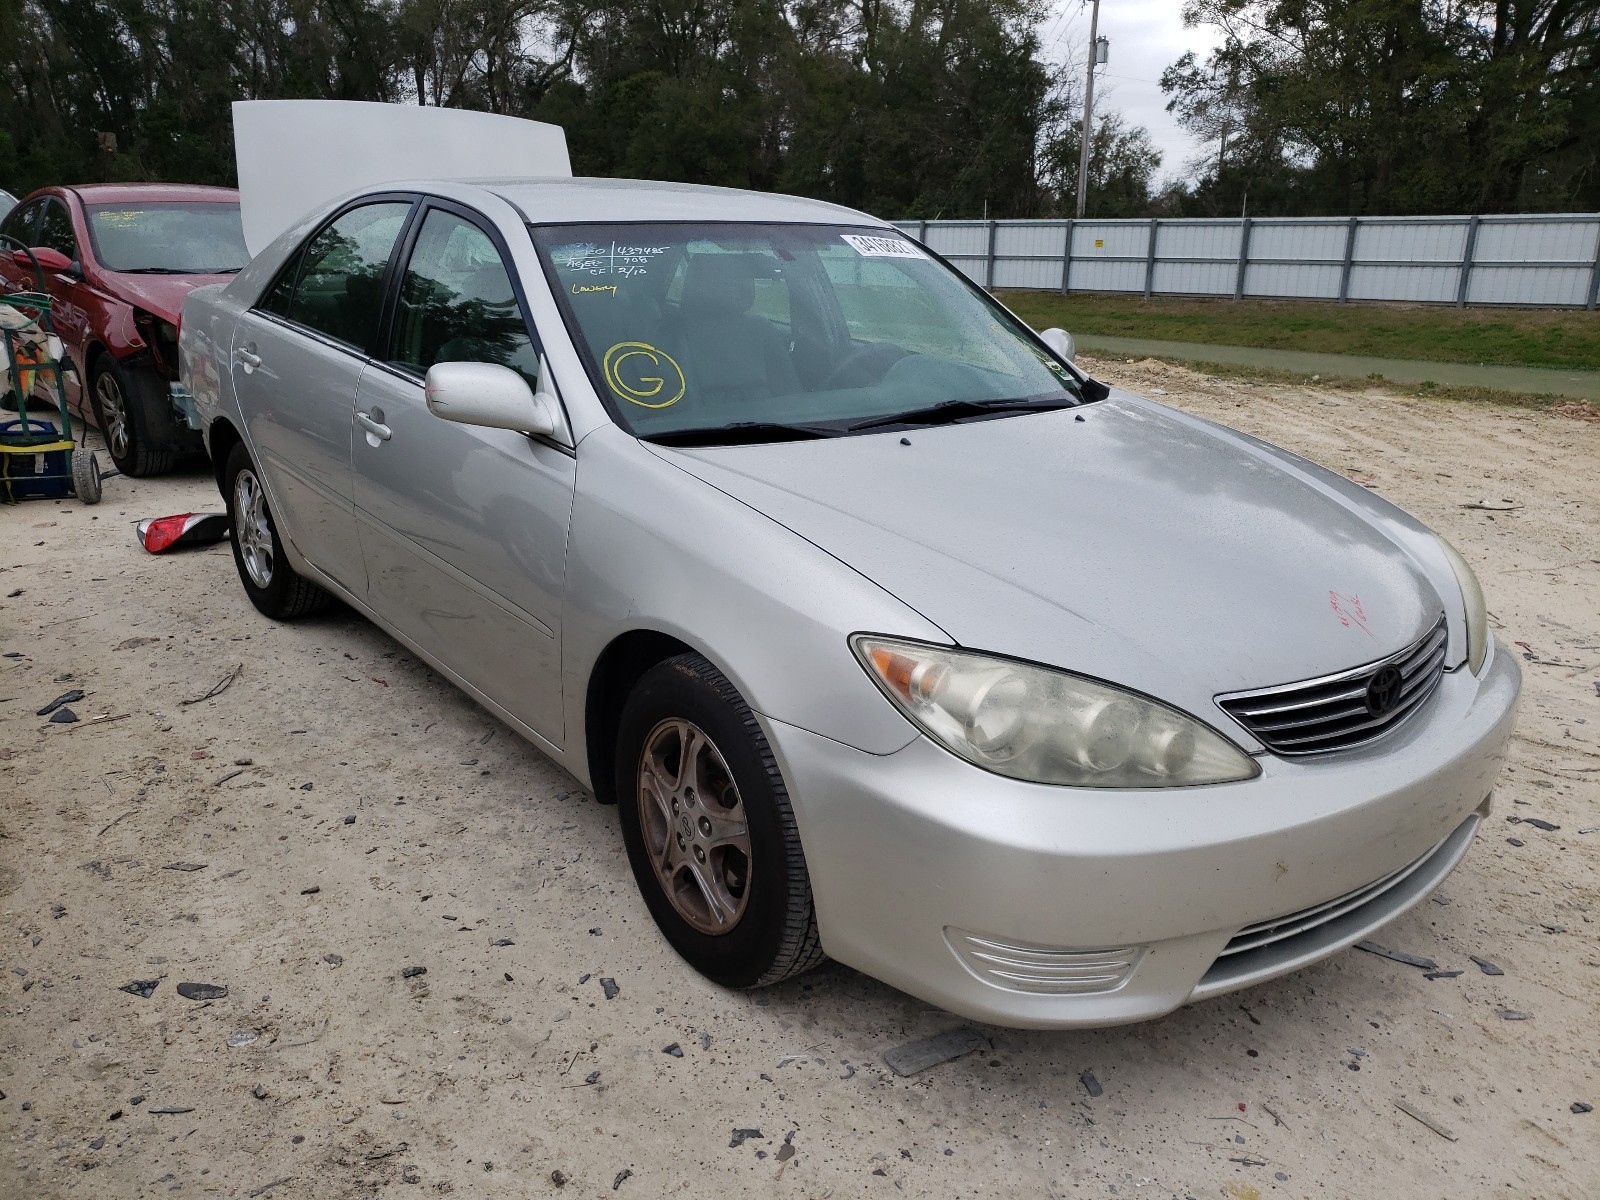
x=880 y=247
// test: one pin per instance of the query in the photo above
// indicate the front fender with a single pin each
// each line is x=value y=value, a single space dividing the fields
x=652 y=547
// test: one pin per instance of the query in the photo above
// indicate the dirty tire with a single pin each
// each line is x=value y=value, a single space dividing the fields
x=271 y=583
x=129 y=411
x=775 y=933
x=86 y=475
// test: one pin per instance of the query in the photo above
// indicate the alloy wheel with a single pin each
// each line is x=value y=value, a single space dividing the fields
x=694 y=826
x=252 y=528
x=114 y=412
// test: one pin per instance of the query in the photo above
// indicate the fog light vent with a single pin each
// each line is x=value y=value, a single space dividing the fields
x=1045 y=970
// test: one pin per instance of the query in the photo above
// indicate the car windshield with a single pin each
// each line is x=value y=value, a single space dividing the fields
x=168 y=238
x=700 y=334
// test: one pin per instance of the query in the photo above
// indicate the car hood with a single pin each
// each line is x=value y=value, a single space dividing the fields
x=160 y=294
x=1122 y=540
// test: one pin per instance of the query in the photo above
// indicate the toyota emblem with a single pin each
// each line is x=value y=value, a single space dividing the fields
x=1383 y=693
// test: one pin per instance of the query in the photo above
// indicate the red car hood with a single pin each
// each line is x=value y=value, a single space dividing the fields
x=160 y=294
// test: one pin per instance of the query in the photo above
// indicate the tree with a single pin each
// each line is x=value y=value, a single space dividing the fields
x=1396 y=106
x=904 y=108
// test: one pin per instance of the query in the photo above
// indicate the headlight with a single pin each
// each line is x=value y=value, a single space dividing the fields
x=1477 y=610
x=1046 y=726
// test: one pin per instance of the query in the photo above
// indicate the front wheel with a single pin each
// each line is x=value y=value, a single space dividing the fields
x=709 y=829
x=128 y=409
x=274 y=587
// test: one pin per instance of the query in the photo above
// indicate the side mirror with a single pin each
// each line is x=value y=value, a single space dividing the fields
x=496 y=397
x=53 y=260
x=1061 y=342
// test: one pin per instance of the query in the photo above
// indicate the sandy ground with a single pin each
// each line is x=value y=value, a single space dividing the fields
x=323 y=1073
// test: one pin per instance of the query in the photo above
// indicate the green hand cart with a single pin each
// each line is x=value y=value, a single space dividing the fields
x=38 y=458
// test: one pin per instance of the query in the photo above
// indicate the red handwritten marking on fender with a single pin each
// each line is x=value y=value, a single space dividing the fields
x=1349 y=611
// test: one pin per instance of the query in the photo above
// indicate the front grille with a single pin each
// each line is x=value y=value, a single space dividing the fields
x=1046 y=970
x=1264 y=933
x=1340 y=711
x=1275 y=947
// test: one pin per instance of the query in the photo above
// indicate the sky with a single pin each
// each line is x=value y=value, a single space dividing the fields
x=1147 y=36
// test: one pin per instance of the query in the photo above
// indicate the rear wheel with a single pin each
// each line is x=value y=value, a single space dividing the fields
x=709 y=829
x=273 y=586
x=128 y=409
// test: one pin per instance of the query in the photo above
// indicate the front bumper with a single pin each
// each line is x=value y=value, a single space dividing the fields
x=916 y=855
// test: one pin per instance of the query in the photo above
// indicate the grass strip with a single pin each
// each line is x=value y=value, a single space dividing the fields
x=1561 y=338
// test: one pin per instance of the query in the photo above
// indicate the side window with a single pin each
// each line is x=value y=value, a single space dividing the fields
x=55 y=230
x=335 y=284
x=281 y=292
x=457 y=303
x=20 y=222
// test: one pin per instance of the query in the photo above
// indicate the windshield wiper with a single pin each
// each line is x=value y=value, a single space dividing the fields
x=956 y=410
x=739 y=433
x=180 y=271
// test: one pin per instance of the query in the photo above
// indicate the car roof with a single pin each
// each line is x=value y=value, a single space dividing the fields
x=586 y=201
x=123 y=193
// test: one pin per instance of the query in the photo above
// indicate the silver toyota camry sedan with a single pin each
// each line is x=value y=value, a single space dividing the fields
x=894 y=636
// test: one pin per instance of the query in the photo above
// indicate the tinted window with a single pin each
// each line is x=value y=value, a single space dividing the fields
x=167 y=239
x=19 y=224
x=55 y=230
x=457 y=303
x=336 y=286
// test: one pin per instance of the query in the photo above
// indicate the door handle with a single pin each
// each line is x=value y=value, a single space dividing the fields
x=376 y=428
x=248 y=360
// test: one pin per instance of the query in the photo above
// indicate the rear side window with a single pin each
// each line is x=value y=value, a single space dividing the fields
x=55 y=230
x=20 y=222
x=457 y=303
x=335 y=284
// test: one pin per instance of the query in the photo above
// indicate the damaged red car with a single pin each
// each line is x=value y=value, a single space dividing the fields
x=118 y=259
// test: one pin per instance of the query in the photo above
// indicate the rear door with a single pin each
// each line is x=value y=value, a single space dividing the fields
x=296 y=361
x=72 y=296
x=19 y=227
x=463 y=529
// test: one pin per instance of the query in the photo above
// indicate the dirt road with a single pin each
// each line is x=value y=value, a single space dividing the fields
x=348 y=816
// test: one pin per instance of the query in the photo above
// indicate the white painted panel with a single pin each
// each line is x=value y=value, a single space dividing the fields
x=1529 y=285
x=1436 y=284
x=1031 y=239
x=354 y=144
x=1028 y=273
x=1214 y=239
x=1537 y=241
x=959 y=239
x=1089 y=275
x=1272 y=238
x=1115 y=238
x=1314 y=248
x=1195 y=279
x=1317 y=281
x=1393 y=241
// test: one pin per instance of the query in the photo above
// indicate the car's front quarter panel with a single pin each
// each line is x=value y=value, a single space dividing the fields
x=654 y=548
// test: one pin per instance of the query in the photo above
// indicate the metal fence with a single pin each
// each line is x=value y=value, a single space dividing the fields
x=1550 y=260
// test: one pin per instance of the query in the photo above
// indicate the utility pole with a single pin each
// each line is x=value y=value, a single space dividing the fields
x=1095 y=52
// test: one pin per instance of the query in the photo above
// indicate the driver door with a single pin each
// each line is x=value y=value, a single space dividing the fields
x=463 y=529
